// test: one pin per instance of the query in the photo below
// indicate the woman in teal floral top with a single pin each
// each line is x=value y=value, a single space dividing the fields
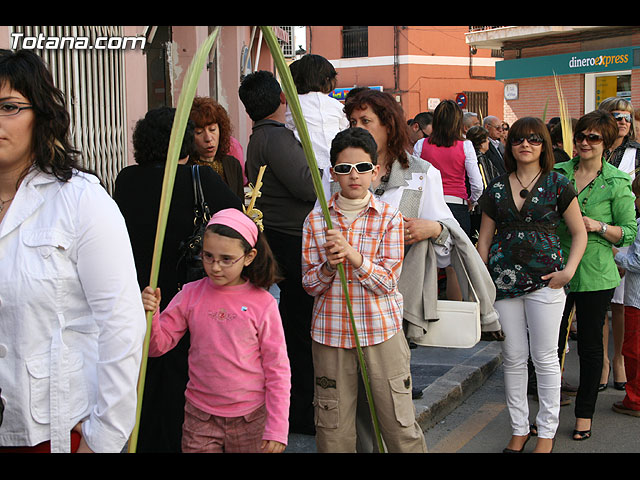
x=607 y=205
x=521 y=212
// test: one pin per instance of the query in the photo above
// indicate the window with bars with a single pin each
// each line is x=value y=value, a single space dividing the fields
x=478 y=102
x=355 y=42
x=288 y=48
x=93 y=81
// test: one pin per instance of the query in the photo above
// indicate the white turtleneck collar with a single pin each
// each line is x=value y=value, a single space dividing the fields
x=352 y=207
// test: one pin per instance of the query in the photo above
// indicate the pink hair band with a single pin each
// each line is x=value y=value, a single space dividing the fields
x=237 y=220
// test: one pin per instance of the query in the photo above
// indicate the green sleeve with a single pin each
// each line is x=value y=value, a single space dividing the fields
x=624 y=213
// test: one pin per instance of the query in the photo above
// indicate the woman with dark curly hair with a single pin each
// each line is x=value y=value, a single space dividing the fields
x=380 y=114
x=412 y=185
x=72 y=317
x=212 y=141
x=137 y=192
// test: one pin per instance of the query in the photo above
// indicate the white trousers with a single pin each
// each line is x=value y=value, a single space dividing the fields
x=531 y=324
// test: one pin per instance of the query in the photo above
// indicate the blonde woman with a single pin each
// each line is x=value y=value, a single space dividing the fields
x=624 y=154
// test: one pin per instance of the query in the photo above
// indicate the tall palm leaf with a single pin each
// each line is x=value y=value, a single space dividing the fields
x=185 y=101
x=291 y=94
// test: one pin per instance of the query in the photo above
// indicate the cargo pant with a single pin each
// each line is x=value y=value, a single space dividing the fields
x=336 y=394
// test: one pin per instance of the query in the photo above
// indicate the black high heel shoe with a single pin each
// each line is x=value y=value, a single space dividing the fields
x=579 y=435
x=511 y=450
x=603 y=386
x=619 y=385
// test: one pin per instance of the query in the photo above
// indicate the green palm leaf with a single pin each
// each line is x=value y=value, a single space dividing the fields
x=185 y=101
x=294 y=104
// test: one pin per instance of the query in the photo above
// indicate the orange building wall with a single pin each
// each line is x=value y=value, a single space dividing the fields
x=416 y=82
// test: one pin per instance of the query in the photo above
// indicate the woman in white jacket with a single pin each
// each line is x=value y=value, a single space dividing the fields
x=71 y=317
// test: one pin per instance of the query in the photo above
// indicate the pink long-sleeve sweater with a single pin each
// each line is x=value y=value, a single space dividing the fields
x=238 y=357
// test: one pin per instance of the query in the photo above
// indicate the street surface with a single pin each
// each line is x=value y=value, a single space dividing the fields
x=481 y=423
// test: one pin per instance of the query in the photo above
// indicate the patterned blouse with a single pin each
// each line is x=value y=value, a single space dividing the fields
x=525 y=246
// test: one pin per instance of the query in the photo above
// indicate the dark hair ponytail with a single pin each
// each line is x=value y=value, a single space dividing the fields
x=263 y=271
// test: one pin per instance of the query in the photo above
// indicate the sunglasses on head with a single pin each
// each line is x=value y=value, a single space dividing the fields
x=532 y=139
x=622 y=116
x=592 y=138
x=345 y=168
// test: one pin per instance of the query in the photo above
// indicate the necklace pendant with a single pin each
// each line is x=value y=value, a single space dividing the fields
x=523 y=193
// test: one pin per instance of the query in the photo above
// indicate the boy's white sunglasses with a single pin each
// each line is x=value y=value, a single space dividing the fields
x=345 y=168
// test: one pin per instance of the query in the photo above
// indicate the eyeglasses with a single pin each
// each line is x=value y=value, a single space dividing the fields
x=532 y=139
x=622 y=116
x=345 y=168
x=499 y=127
x=592 y=138
x=224 y=263
x=8 y=109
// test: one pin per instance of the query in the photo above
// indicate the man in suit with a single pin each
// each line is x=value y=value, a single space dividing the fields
x=496 y=149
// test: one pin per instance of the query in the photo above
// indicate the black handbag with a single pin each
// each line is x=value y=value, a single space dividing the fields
x=189 y=266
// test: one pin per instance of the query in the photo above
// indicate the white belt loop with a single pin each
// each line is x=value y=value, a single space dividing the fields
x=452 y=199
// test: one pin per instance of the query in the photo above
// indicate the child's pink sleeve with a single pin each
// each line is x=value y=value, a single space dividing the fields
x=277 y=373
x=168 y=327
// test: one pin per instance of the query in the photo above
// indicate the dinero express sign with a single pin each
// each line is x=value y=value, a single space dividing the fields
x=580 y=62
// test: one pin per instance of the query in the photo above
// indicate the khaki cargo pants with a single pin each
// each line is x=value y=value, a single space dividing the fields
x=336 y=395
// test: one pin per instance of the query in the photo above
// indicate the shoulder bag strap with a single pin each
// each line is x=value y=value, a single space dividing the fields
x=202 y=208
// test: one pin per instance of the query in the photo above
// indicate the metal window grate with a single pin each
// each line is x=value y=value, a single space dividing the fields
x=288 y=48
x=355 y=42
x=478 y=102
x=93 y=81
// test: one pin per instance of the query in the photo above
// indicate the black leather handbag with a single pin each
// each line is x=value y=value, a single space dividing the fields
x=189 y=266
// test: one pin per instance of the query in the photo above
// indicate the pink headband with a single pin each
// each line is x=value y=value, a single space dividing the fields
x=237 y=220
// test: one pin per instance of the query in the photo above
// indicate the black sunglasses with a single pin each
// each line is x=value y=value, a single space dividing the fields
x=592 y=138
x=532 y=139
x=345 y=168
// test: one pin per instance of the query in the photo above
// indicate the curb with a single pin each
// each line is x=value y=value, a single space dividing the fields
x=446 y=393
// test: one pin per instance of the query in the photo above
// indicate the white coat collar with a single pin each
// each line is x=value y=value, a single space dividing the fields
x=27 y=200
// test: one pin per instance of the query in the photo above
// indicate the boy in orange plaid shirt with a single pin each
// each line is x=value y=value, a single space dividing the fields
x=367 y=238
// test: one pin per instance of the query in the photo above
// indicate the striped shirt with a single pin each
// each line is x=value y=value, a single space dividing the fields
x=377 y=233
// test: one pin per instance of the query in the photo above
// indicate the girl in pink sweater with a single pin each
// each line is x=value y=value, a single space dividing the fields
x=237 y=397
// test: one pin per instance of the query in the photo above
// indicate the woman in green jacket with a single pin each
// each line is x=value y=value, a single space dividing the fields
x=607 y=205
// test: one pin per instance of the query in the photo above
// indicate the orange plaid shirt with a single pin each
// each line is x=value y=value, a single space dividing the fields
x=377 y=233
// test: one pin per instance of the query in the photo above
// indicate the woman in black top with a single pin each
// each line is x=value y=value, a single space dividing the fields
x=518 y=241
x=137 y=192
